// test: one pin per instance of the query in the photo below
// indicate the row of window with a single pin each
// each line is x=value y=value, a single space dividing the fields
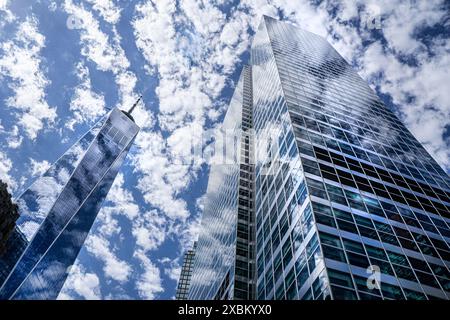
x=361 y=121
x=381 y=231
x=344 y=288
x=375 y=172
x=428 y=222
x=381 y=155
x=391 y=263
x=353 y=119
x=354 y=134
x=383 y=190
x=300 y=82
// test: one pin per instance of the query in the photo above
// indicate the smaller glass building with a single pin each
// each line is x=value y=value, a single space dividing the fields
x=58 y=210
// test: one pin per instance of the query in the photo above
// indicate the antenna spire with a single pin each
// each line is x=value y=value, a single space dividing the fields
x=135 y=104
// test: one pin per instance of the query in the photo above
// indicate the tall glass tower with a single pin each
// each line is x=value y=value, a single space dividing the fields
x=347 y=203
x=58 y=210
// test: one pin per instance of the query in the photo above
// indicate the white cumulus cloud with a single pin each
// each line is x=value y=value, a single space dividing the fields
x=38 y=167
x=84 y=284
x=20 y=60
x=86 y=104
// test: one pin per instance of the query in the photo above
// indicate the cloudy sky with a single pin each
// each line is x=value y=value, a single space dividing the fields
x=64 y=64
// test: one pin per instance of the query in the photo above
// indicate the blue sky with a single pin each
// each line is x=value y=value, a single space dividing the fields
x=63 y=64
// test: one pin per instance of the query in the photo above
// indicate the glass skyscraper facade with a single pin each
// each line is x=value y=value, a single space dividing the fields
x=224 y=265
x=59 y=208
x=185 y=275
x=213 y=271
x=342 y=192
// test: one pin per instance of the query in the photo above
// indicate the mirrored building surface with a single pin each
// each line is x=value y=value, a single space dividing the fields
x=347 y=203
x=58 y=210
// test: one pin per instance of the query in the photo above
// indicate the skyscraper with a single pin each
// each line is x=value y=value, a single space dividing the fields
x=347 y=203
x=58 y=210
x=185 y=275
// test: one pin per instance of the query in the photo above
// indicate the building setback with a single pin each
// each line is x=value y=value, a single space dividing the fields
x=340 y=200
x=58 y=210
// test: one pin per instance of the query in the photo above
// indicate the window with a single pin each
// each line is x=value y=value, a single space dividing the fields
x=380 y=226
x=302 y=277
x=342 y=293
x=405 y=273
x=329 y=239
x=355 y=200
x=361 y=221
x=385 y=237
x=427 y=279
x=346 y=226
x=336 y=194
x=310 y=167
x=392 y=292
x=419 y=264
x=333 y=253
x=344 y=215
x=340 y=278
x=317 y=189
x=290 y=277
x=326 y=220
x=291 y=293
x=320 y=208
x=385 y=267
x=358 y=260
x=301 y=193
x=354 y=246
x=413 y=295
x=398 y=258
x=361 y=285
